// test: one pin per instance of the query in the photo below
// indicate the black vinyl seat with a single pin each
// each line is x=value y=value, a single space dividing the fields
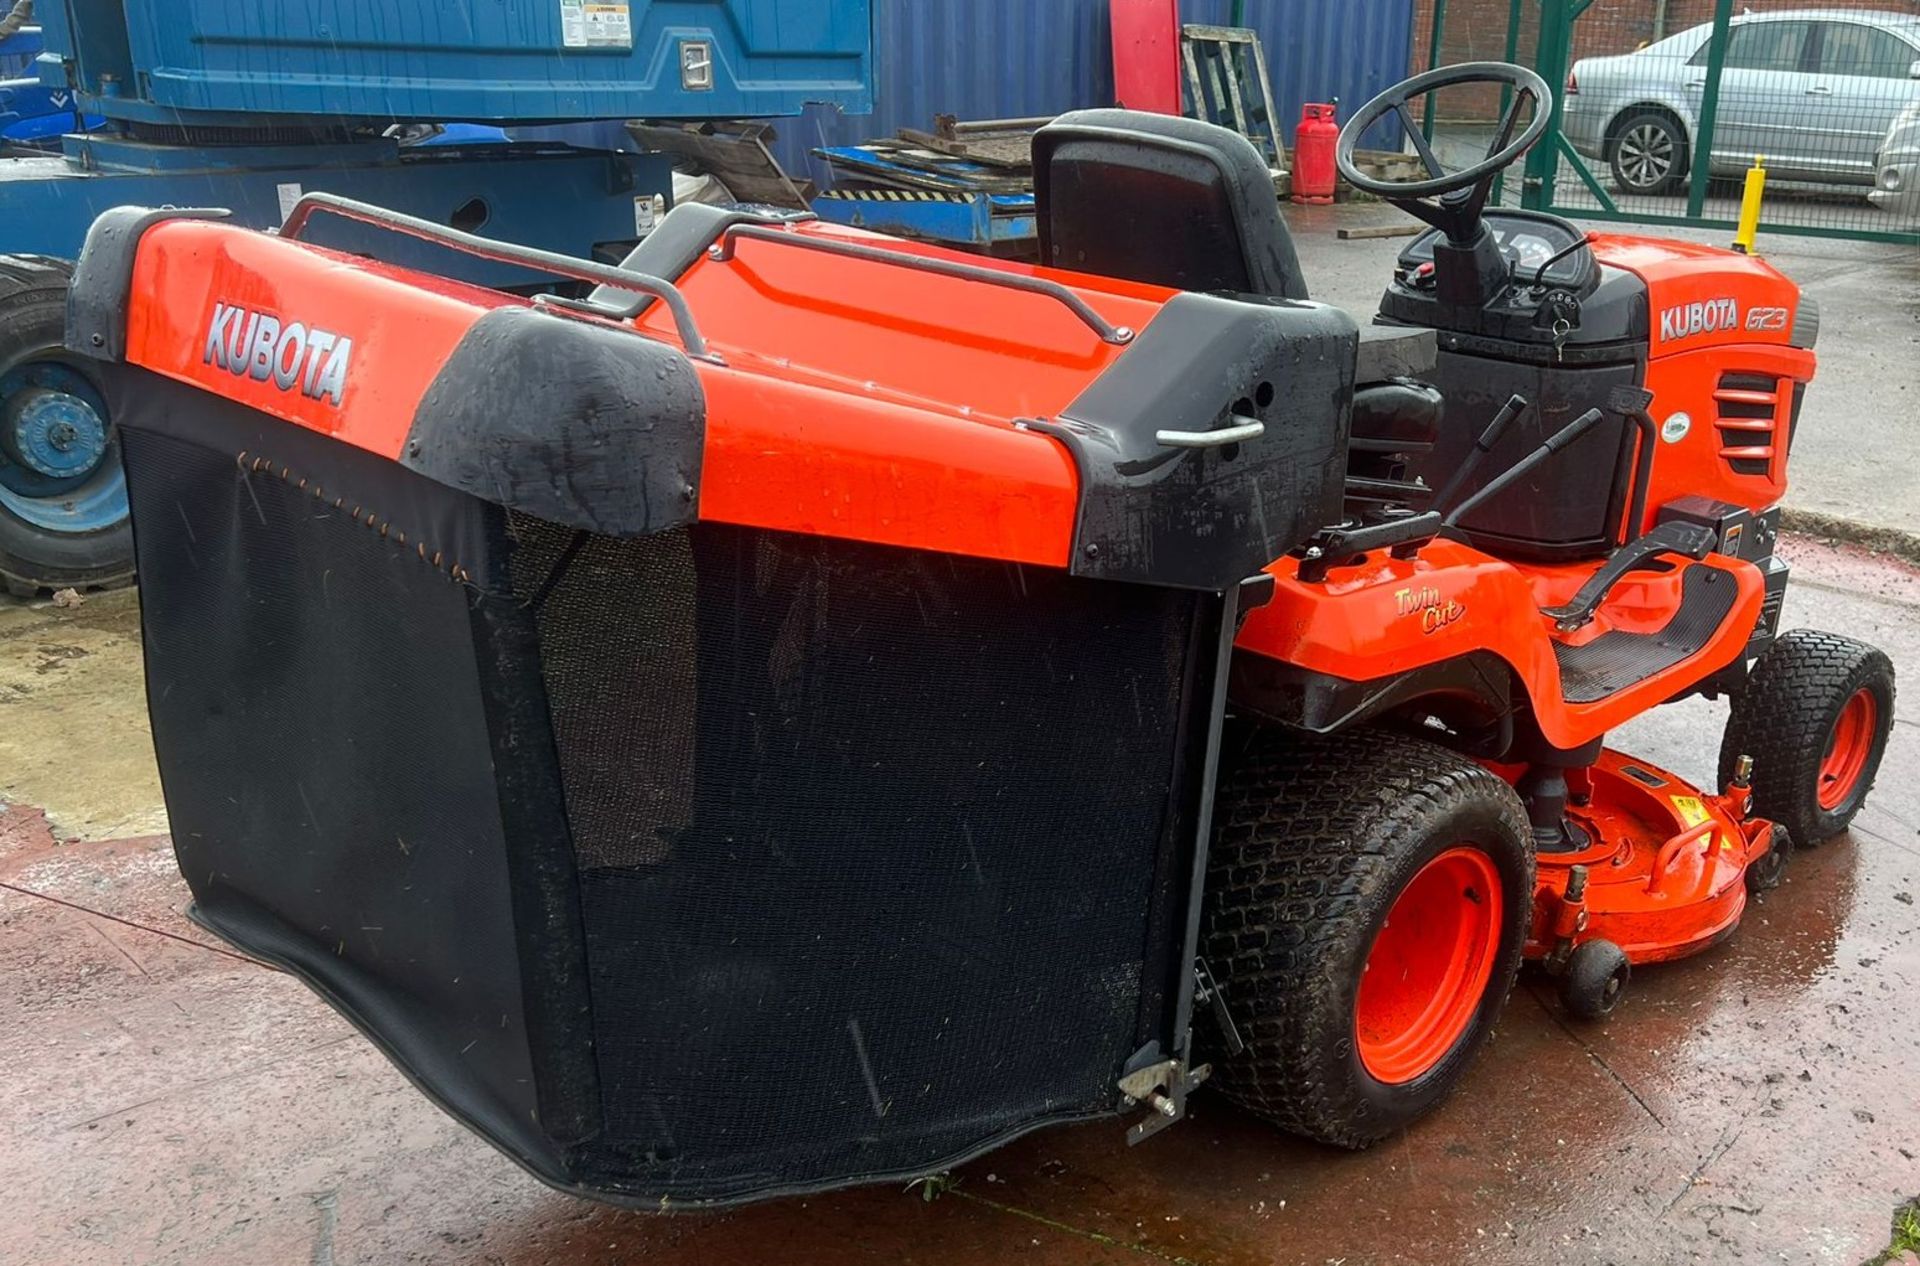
x=1189 y=205
x=1168 y=201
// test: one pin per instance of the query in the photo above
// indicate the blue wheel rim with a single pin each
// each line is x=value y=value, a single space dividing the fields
x=86 y=500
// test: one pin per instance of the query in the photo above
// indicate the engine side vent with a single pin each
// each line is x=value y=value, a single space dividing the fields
x=1747 y=413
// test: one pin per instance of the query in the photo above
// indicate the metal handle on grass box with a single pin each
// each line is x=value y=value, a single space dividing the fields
x=502 y=253
x=1247 y=429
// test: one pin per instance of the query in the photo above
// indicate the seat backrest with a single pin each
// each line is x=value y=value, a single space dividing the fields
x=1167 y=201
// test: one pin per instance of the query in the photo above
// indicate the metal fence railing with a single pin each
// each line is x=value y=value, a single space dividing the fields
x=1664 y=106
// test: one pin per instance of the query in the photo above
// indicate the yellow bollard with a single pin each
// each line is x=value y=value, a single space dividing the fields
x=1750 y=206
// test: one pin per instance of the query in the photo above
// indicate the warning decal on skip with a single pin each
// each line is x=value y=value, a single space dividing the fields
x=595 y=24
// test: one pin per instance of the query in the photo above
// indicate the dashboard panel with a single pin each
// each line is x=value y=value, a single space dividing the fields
x=1528 y=240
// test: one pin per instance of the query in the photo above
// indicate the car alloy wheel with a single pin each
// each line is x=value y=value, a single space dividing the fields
x=1645 y=156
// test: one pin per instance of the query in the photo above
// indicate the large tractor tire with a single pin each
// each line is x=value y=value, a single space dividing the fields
x=1814 y=715
x=63 y=499
x=1368 y=898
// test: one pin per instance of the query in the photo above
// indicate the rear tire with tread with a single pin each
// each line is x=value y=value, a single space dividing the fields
x=1315 y=839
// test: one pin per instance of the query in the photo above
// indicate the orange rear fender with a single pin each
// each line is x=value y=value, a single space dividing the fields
x=1388 y=617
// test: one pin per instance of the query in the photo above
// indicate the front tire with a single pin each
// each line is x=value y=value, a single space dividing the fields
x=1648 y=153
x=1814 y=715
x=1368 y=898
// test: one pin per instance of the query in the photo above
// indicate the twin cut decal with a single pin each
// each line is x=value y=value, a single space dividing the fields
x=1434 y=610
x=1708 y=317
x=242 y=341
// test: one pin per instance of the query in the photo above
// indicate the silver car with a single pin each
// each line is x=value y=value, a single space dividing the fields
x=1897 y=187
x=1814 y=91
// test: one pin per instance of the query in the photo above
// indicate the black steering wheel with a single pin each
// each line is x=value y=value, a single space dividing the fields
x=1457 y=197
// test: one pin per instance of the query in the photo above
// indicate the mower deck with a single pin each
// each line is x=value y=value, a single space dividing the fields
x=1663 y=871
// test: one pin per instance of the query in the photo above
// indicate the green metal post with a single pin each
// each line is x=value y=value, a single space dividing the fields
x=1550 y=61
x=1433 y=59
x=1709 y=108
x=1238 y=15
x=1506 y=93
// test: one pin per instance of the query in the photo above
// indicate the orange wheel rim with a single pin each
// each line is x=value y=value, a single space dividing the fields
x=1848 y=749
x=1429 y=966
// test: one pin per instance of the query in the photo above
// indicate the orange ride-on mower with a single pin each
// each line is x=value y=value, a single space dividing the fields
x=1579 y=527
x=801 y=708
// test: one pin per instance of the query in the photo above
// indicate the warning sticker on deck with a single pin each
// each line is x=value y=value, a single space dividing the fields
x=595 y=24
x=1691 y=811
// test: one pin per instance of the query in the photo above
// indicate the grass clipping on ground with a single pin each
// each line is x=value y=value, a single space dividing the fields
x=1906 y=1237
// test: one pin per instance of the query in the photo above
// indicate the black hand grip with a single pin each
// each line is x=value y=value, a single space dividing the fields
x=1334 y=546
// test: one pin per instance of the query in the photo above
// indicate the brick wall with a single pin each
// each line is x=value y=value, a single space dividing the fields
x=1476 y=30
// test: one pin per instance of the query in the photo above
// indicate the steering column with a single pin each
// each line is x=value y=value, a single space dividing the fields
x=1469 y=268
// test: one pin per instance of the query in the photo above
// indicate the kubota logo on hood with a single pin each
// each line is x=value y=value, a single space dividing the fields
x=1688 y=319
x=242 y=341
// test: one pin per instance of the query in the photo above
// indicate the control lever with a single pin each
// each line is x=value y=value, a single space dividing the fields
x=1513 y=408
x=1207 y=993
x=1632 y=404
x=1401 y=534
x=1508 y=477
x=1694 y=540
x=1540 y=273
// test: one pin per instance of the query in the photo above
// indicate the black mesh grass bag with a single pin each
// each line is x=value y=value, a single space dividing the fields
x=687 y=867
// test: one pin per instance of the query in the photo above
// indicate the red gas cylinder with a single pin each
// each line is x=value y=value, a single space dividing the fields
x=1313 y=142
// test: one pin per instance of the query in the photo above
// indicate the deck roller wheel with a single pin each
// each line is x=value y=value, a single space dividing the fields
x=1764 y=872
x=1814 y=715
x=1368 y=897
x=1595 y=976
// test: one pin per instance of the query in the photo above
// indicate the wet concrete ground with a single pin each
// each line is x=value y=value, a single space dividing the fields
x=164 y=1100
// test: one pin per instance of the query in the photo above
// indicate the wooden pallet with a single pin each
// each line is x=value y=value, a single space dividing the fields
x=1384 y=164
x=1220 y=62
x=735 y=153
x=1004 y=143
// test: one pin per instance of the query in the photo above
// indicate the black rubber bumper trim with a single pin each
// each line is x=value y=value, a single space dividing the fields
x=1324 y=704
x=1207 y=518
x=102 y=285
x=573 y=421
